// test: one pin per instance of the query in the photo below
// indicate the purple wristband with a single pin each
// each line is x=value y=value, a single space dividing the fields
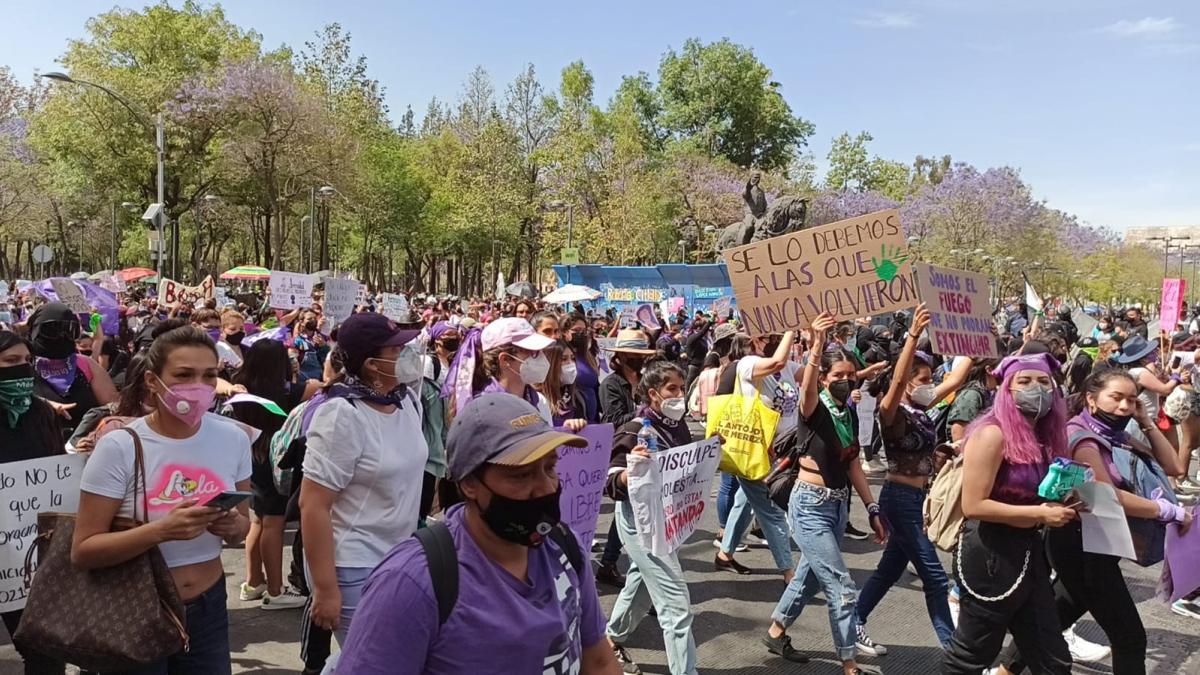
x=1168 y=512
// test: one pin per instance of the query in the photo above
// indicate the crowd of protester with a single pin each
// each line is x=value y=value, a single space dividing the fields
x=408 y=453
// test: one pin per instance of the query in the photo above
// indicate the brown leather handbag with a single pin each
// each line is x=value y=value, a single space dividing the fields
x=110 y=619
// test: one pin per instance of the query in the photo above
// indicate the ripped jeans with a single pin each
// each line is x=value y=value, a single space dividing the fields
x=818 y=524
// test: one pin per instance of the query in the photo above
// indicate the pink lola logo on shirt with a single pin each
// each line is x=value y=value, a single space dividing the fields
x=178 y=483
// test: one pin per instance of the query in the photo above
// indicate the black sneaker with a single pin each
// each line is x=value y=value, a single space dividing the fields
x=866 y=645
x=853 y=532
x=609 y=574
x=782 y=646
x=627 y=664
x=731 y=565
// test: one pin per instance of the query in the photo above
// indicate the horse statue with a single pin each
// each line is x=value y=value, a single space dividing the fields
x=785 y=216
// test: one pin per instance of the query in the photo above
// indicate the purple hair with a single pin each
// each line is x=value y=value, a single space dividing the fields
x=1023 y=442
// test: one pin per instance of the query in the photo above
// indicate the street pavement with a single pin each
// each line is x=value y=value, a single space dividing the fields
x=732 y=614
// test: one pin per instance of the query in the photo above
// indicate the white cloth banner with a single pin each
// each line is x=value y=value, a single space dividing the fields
x=26 y=489
x=669 y=491
x=171 y=293
x=290 y=290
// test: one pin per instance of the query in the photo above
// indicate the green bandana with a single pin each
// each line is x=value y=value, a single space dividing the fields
x=1091 y=351
x=15 y=397
x=841 y=419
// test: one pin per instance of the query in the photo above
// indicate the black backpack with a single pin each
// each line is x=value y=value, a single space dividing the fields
x=442 y=558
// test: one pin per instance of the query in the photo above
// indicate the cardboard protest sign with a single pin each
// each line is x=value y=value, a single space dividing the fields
x=668 y=493
x=581 y=474
x=1171 y=306
x=720 y=307
x=960 y=318
x=26 y=489
x=851 y=268
x=172 y=293
x=395 y=306
x=360 y=298
x=290 y=290
x=339 y=299
x=70 y=295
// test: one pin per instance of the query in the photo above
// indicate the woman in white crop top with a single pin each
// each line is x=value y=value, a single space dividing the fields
x=191 y=457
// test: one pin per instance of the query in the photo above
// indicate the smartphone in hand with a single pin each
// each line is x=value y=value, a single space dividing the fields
x=227 y=500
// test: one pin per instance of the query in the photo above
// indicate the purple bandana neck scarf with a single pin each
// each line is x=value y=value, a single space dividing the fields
x=58 y=373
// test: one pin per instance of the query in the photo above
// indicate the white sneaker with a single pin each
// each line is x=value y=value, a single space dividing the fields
x=1188 y=485
x=247 y=592
x=1188 y=608
x=287 y=599
x=1083 y=650
x=741 y=548
x=874 y=467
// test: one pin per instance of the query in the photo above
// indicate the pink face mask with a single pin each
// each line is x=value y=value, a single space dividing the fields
x=188 y=402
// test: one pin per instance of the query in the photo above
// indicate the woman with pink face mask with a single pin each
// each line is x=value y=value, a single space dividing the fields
x=190 y=458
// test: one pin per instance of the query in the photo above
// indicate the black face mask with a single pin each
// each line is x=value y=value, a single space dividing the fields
x=523 y=521
x=450 y=345
x=53 y=347
x=310 y=325
x=235 y=339
x=18 y=372
x=840 y=390
x=579 y=342
x=1112 y=420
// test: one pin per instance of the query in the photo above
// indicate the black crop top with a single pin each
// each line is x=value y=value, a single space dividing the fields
x=824 y=448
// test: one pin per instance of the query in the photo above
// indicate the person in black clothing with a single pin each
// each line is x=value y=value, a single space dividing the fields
x=696 y=347
x=29 y=429
x=266 y=372
x=617 y=407
x=62 y=376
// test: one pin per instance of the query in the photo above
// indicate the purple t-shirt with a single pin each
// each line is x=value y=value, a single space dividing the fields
x=539 y=627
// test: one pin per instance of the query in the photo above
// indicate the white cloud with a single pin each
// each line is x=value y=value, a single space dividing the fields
x=1148 y=27
x=881 y=19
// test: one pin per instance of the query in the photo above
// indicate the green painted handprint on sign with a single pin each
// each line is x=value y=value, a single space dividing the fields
x=888 y=264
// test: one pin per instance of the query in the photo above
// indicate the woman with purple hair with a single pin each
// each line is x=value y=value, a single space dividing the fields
x=1000 y=563
x=909 y=439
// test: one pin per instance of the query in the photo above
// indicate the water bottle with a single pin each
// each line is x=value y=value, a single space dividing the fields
x=646 y=436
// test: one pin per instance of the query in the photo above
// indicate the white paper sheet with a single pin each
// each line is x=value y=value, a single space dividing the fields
x=1105 y=528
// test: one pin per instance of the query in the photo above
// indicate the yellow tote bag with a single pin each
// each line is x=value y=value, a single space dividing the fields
x=748 y=427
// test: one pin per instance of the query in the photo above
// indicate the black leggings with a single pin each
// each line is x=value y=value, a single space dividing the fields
x=1092 y=583
x=993 y=556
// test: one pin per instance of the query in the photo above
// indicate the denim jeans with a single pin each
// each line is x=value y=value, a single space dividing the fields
x=901 y=505
x=656 y=581
x=753 y=494
x=208 y=639
x=818 y=524
x=350 y=583
x=729 y=488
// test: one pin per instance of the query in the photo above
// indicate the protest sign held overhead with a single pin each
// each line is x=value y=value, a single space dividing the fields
x=70 y=295
x=340 y=295
x=1171 y=306
x=851 y=268
x=290 y=290
x=26 y=489
x=668 y=492
x=581 y=475
x=395 y=306
x=960 y=316
x=172 y=293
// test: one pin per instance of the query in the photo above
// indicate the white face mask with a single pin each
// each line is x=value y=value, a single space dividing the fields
x=534 y=370
x=408 y=366
x=923 y=395
x=674 y=408
x=569 y=373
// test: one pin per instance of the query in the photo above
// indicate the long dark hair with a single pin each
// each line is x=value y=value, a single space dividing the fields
x=41 y=422
x=1094 y=384
x=266 y=370
x=133 y=394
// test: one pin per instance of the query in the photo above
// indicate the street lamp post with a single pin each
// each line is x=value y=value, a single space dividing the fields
x=683 y=248
x=157 y=127
x=1166 y=240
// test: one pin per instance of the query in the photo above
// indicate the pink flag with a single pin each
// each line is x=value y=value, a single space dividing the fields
x=1172 y=304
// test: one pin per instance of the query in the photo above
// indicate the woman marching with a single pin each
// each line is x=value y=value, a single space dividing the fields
x=651 y=580
x=827 y=461
x=909 y=439
x=1000 y=564
x=190 y=457
x=1092 y=582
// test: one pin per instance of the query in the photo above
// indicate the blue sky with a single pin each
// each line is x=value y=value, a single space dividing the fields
x=1096 y=101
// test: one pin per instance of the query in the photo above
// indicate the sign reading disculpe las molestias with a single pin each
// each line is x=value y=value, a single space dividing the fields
x=851 y=268
x=26 y=489
x=960 y=316
x=668 y=493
